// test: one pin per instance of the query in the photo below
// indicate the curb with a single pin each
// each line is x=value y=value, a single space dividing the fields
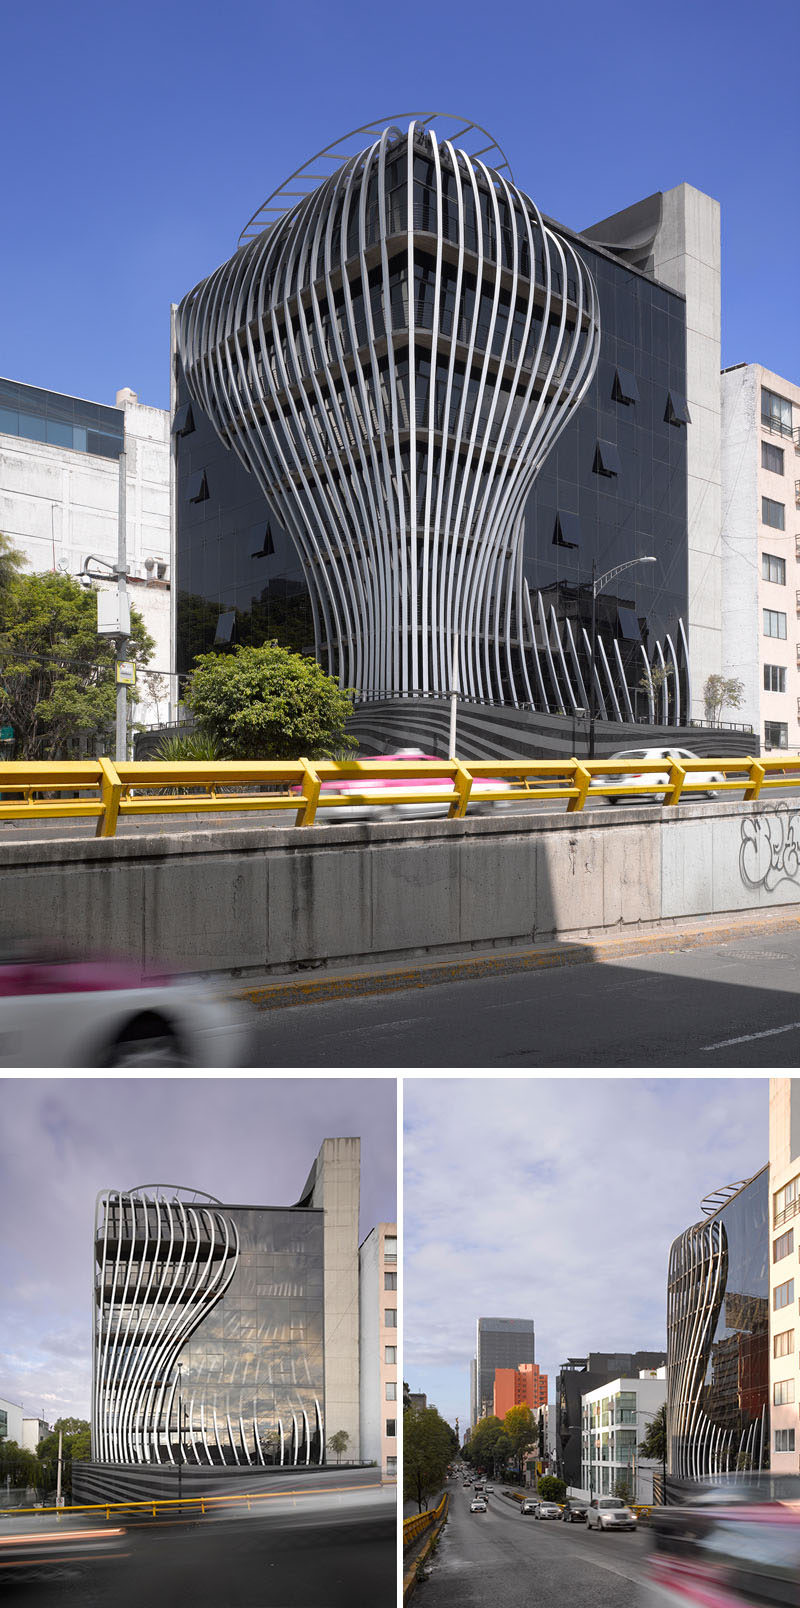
x=279 y=993
x=410 y=1575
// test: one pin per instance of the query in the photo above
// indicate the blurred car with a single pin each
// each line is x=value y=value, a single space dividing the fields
x=732 y=1555
x=530 y=1505
x=477 y=1505
x=708 y=779
x=489 y=1489
x=548 y=1510
x=58 y=1009
x=573 y=1512
x=609 y=1513
x=34 y=1548
x=396 y=787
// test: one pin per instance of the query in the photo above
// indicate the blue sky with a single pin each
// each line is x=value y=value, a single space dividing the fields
x=140 y=139
x=557 y=1200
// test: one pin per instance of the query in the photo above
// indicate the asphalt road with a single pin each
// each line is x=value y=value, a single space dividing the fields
x=328 y=1551
x=733 y=1004
x=499 y=1559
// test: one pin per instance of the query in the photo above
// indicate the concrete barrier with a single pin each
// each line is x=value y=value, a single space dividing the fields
x=274 y=899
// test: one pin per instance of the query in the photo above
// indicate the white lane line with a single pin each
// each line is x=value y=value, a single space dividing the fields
x=747 y=1038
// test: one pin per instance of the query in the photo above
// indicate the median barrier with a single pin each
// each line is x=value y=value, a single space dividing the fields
x=106 y=791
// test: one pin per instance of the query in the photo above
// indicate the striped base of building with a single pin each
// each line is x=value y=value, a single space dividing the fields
x=133 y=1482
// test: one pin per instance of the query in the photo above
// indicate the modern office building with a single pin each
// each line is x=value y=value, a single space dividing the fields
x=784 y=1284
x=227 y=1336
x=378 y=1308
x=502 y=1343
x=718 y=1293
x=579 y=1376
x=59 y=500
x=524 y=1386
x=414 y=421
x=761 y=535
x=616 y=1418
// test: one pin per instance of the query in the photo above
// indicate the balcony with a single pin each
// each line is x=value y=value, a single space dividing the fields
x=779 y=427
x=790 y=1209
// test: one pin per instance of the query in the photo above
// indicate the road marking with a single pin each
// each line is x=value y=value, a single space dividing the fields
x=747 y=1038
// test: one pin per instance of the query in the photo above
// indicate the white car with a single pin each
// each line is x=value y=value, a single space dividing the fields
x=708 y=780
x=63 y=1010
x=609 y=1513
x=477 y=1505
x=548 y=1510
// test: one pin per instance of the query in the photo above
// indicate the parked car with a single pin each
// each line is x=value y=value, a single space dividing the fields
x=61 y=1009
x=740 y=1556
x=530 y=1505
x=548 y=1510
x=708 y=780
x=609 y=1513
x=573 y=1512
x=477 y=1505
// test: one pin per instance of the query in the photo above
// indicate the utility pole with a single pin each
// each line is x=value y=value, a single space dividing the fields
x=122 y=595
x=451 y=747
x=180 y=1435
x=59 y=1497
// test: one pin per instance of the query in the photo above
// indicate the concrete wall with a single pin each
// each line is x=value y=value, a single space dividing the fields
x=276 y=899
x=336 y=1177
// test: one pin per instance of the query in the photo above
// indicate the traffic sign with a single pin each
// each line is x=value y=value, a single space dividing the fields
x=126 y=673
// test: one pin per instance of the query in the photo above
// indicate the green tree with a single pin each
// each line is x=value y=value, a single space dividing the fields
x=268 y=703
x=18 y=1466
x=483 y=1442
x=429 y=1444
x=339 y=1443
x=622 y=1489
x=654 y=1444
x=10 y=563
x=551 y=1488
x=76 y=1446
x=720 y=693
x=57 y=676
x=522 y=1430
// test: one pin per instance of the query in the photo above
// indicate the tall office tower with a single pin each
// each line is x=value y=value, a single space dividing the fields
x=502 y=1343
x=473 y=1392
x=784 y=1206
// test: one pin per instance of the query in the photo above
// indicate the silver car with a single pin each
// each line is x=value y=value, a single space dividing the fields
x=708 y=780
x=548 y=1510
x=609 y=1513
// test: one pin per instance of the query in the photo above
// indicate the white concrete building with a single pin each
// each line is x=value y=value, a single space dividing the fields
x=614 y=1420
x=761 y=546
x=11 y=1415
x=59 y=500
x=784 y=1283
x=334 y=1184
x=378 y=1305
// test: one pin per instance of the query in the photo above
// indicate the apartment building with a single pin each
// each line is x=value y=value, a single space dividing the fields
x=784 y=1284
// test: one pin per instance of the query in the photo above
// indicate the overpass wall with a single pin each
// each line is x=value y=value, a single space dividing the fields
x=275 y=899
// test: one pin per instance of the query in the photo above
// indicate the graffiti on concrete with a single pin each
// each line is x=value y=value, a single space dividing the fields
x=770 y=849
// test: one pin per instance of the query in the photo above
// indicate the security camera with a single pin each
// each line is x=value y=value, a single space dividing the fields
x=85 y=582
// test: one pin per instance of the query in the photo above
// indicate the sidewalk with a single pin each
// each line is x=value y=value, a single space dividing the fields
x=305 y=987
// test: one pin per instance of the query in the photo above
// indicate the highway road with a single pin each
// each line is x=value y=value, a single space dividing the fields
x=308 y=1551
x=499 y=1559
x=731 y=1004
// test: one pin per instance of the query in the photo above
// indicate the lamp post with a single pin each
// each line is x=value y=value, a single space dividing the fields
x=120 y=631
x=598 y=582
x=180 y=1434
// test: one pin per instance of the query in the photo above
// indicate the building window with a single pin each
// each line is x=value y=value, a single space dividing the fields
x=677 y=409
x=776 y=734
x=197 y=489
x=783 y=1344
x=390 y=1318
x=390 y=1354
x=783 y=1295
x=391 y=1390
x=625 y=386
x=774 y=623
x=390 y=1248
x=785 y=1200
x=606 y=459
x=783 y=1393
x=391 y=1426
x=776 y=412
x=773 y=568
x=774 y=678
x=784 y=1440
x=772 y=457
x=783 y=1246
x=773 y=513
x=183 y=422
x=390 y=1281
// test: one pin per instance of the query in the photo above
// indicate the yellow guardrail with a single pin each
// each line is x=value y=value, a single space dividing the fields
x=412 y=1528
x=104 y=790
x=155 y=1505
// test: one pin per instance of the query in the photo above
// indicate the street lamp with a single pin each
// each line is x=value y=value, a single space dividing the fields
x=180 y=1434
x=598 y=582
